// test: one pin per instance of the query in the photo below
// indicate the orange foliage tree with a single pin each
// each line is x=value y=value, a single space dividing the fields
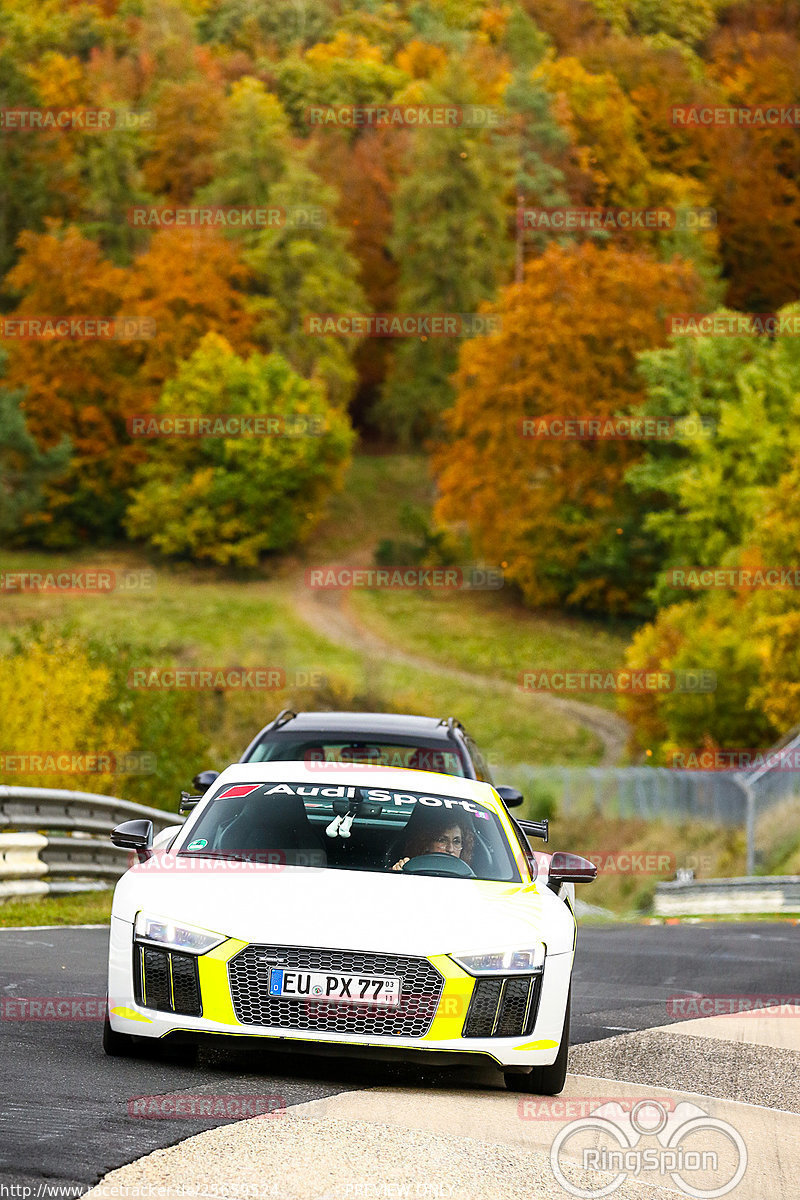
x=184 y=286
x=557 y=512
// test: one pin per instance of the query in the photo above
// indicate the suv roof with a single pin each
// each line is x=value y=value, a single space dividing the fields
x=354 y=724
x=358 y=722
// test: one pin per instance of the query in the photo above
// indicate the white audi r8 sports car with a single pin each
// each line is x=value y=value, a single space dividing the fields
x=382 y=912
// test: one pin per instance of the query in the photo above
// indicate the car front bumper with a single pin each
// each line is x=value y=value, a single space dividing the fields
x=444 y=1037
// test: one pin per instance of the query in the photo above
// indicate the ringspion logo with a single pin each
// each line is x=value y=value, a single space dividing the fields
x=702 y=1155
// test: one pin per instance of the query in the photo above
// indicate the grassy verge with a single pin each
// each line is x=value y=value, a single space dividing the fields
x=489 y=633
x=203 y=619
x=628 y=854
x=84 y=908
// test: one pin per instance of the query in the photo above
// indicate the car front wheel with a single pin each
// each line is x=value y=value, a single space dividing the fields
x=545 y=1081
x=116 y=1045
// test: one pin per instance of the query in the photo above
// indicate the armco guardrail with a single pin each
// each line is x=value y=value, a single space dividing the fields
x=57 y=841
x=720 y=897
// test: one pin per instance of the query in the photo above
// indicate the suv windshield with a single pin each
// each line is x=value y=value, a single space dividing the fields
x=353 y=828
x=316 y=748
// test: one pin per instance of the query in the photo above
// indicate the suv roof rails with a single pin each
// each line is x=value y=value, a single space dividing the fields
x=452 y=725
x=283 y=717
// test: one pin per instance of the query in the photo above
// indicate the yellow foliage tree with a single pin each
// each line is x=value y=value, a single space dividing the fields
x=52 y=699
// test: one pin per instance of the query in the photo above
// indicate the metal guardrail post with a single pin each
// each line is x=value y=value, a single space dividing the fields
x=53 y=840
x=750 y=824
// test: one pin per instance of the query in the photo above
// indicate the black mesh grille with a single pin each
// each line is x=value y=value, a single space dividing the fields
x=158 y=990
x=482 y=1009
x=503 y=1007
x=420 y=990
x=185 y=986
x=156 y=979
x=513 y=1006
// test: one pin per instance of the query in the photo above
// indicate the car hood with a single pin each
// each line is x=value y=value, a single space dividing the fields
x=354 y=910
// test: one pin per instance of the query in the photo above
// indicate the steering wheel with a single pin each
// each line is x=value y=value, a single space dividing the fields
x=438 y=864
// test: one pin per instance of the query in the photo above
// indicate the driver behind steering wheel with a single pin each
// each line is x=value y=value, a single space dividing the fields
x=443 y=835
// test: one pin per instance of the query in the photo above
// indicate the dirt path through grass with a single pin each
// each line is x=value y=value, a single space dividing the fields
x=331 y=616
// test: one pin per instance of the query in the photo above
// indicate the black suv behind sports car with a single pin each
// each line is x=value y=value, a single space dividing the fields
x=383 y=739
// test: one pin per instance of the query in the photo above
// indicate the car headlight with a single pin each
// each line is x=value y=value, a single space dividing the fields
x=175 y=935
x=503 y=962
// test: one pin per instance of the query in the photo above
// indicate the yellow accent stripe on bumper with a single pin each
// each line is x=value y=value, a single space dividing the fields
x=130 y=1015
x=454 y=1001
x=215 y=992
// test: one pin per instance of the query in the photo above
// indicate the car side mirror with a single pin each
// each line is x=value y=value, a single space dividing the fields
x=570 y=868
x=511 y=796
x=204 y=779
x=135 y=835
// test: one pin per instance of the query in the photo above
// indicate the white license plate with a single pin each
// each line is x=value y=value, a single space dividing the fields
x=316 y=985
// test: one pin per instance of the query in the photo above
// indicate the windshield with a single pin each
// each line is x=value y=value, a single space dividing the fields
x=355 y=749
x=345 y=827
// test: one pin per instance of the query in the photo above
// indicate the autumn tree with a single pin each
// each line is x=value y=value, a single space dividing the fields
x=283 y=24
x=367 y=170
x=230 y=500
x=734 y=399
x=754 y=172
x=728 y=500
x=24 y=467
x=685 y=20
x=557 y=511
x=86 y=388
x=451 y=240
x=185 y=136
x=302 y=265
x=346 y=71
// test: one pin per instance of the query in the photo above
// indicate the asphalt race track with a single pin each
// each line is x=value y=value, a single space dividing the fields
x=64 y=1107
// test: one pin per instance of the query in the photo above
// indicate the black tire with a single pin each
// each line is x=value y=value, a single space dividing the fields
x=518 y=1081
x=546 y=1081
x=117 y=1045
x=184 y=1053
